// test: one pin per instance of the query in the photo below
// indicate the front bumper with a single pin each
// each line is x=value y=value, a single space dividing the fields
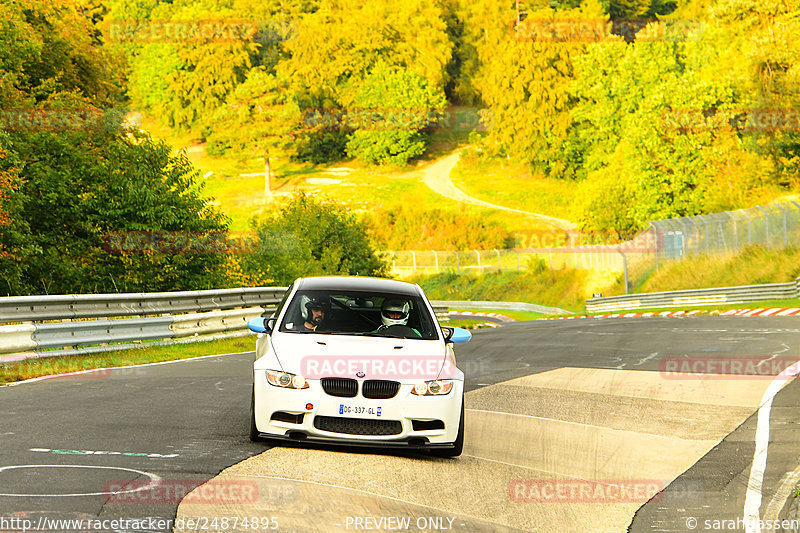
x=404 y=408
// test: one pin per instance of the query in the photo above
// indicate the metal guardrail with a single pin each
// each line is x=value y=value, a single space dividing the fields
x=508 y=306
x=71 y=306
x=52 y=326
x=696 y=297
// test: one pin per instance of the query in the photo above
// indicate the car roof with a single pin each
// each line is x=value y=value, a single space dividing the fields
x=358 y=283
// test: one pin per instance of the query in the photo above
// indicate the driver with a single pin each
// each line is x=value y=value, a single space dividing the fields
x=316 y=312
x=395 y=313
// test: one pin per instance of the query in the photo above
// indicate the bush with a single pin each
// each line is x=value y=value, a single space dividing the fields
x=307 y=238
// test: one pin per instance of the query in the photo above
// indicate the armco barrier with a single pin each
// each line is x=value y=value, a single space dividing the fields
x=83 y=323
x=494 y=306
x=50 y=326
x=696 y=297
x=70 y=306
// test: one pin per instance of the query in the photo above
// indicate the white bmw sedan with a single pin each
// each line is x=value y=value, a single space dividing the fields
x=358 y=361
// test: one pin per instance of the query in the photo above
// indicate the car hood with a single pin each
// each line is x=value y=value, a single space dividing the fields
x=315 y=356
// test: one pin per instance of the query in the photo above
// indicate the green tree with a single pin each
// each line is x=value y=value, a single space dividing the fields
x=653 y=122
x=307 y=238
x=183 y=80
x=402 y=104
x=70 y=176
x=525 y=81
x=93 y=199
x=338 y=45
x=258 y=119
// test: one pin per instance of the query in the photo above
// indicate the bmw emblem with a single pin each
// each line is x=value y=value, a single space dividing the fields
x=360 y=374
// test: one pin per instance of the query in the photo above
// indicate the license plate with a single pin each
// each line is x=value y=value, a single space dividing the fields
x=360 y=411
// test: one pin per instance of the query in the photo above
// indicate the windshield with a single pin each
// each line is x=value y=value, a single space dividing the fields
x=359 y=313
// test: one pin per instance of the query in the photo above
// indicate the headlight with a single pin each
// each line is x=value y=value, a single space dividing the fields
x=286 y=380
x=438 y=387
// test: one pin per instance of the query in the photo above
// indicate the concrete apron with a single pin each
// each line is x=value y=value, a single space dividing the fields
x=571 y=449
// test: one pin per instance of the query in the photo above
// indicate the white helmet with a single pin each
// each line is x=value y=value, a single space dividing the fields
x=395 y=306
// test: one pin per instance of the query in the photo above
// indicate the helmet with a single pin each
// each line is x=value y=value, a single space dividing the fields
x=316 y=303
x=396 y=306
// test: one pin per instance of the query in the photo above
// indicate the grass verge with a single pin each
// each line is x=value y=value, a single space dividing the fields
x=754 y=265
x=34 y=368
x=466 y=323
x=516 y=315
x=512 y=185
x=558 y=288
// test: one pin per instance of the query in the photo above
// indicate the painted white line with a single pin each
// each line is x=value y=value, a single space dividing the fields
x=154 y=479
x=645 y=359
x=96 y=452
x=752 y=501
x=42 y=378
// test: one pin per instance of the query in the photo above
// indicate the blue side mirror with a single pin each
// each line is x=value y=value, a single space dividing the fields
x=261 y=325
x=456 y=335
x=460 y=336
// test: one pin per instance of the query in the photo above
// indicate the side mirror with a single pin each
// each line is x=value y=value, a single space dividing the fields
x=456 y=335
x=261 y=325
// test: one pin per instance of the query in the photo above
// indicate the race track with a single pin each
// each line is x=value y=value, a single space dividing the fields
x=580 y=410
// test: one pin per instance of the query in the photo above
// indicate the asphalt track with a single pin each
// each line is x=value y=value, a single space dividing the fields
x=550 y=403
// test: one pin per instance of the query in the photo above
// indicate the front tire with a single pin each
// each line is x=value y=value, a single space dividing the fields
x=458 y=445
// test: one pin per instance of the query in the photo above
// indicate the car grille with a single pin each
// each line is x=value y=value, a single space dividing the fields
x=358 y=426
x=379 y=389
x=342 y=387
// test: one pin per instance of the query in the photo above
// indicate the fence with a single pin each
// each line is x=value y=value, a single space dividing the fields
x=773 y=226
x=696 y=297
x=49 y=326
x=407 y=263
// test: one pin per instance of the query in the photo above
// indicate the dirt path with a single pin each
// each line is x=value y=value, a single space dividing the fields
x=437 y=178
